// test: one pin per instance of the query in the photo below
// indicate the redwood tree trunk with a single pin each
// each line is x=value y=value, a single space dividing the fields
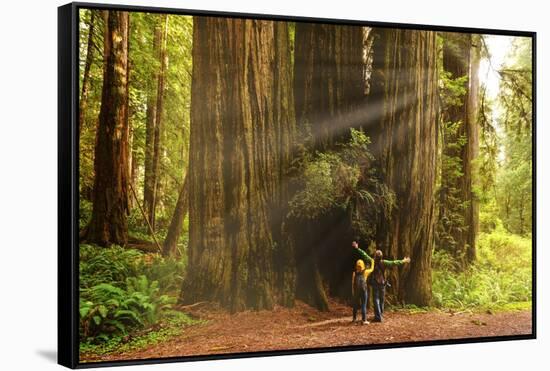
x=329 y=98
x=108 y=224
x=233 y=162
x=86 y=75
x=461 y=59
x=472 y=217
x=155 y=99
x=280 y=188
x=328 y=81
x=176 y=225
x=404 y=133
x=163 y=26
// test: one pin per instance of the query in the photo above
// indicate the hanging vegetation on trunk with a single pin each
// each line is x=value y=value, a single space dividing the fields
x=458 y=204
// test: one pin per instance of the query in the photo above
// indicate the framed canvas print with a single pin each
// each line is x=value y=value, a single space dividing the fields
x=235 y=185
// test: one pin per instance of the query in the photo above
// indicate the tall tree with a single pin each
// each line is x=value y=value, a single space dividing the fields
x=235 y=161
x=176 y=225
x=329 y=91
x=155 y=100
x=284 y=151
x=108 y=224
x=328 y=81
x=86 y=75
x=404 y=106
x=458 y=210
x=158 y=116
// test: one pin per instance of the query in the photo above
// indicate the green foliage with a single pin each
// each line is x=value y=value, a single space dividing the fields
x=452 y=90
x=500 y=276
x=167 y=271
x=170 y=325
x=451 y=219
x=452 y=206
x=84 y=213
x=123 y=290
x=144 y=64
x=506 y=142
x=107 y=310
x=113 y=265
x=344 y=179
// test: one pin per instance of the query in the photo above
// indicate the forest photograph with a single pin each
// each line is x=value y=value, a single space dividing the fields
x=250 y=185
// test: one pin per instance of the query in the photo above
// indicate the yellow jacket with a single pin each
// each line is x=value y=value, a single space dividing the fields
x=360 y=264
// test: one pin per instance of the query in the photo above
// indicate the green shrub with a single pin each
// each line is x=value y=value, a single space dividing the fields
x=84 y=213
x=500 y=276
x=167 y=271
x=124 y=289
x=108 y=265
x=107 y=311
x=171 y=325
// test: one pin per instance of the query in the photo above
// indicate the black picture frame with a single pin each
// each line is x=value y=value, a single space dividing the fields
x=68 y=165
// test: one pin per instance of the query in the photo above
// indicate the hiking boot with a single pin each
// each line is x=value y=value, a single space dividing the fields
x=365 y=322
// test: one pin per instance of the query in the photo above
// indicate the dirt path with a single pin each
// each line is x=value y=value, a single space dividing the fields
x=304 y=327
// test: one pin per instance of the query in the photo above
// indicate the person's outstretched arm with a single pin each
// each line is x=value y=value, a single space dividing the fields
x=391 y=263
x=363 y=254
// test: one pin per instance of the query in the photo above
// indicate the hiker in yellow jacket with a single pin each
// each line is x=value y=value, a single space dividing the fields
x=359 y=289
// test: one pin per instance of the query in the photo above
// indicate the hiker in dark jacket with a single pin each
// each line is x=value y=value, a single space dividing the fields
x=378 y=278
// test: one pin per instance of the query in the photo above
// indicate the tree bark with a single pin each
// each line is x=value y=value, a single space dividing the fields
x=403 y=100
x=234 y=162
x=284 y=141
x=163 y=26
x=86 y=75
x=176 y=225
x=328 y=81
x=152 y=129
x=148 y=179
x=108 y=224
x=461 y=59
x=329 y=97
x=472 y=217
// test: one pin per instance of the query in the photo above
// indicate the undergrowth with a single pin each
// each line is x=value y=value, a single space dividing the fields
x=500 y=279
x=123 y=291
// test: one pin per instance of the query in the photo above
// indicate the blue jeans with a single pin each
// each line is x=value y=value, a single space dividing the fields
x=379 y=292
x=360 y=298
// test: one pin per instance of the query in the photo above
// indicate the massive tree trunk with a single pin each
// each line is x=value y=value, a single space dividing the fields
x=83 y=104
x=328 y=81
x=158 y=117
x=155 y=98
x=176 y=225
x=461 y=59
x=108 y=224
x=234 y=162
x=280 y=188
x=329 y=95
x=404 y=102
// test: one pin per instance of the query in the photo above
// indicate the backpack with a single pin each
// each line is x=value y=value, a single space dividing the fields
x=378 y=276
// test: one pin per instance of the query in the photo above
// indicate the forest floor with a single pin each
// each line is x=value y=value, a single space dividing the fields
x=304 y=327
